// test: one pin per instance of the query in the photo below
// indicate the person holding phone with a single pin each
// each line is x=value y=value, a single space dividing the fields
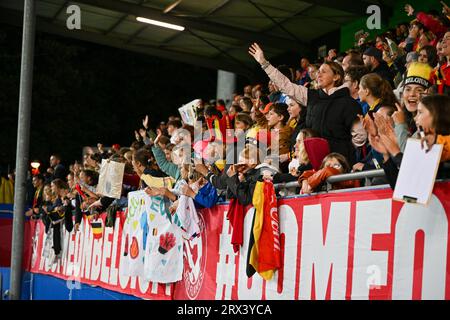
x=241 y=177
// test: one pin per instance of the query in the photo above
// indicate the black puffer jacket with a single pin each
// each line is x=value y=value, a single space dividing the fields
x=243 y=191
x=332 y=116
x=384 y=72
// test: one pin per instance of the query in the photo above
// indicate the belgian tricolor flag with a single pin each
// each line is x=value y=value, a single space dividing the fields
x=264 y=253
x=97 y=229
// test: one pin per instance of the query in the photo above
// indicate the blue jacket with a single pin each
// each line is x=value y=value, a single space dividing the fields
x=206 y=196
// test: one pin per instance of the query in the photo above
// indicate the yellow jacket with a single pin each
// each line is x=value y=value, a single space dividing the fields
x=445 y=141
x=6 y=191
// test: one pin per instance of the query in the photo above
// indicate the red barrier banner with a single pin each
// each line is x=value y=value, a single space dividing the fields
x=6 y=229
x=350 y=245
x=93 y=260
x=5 y=241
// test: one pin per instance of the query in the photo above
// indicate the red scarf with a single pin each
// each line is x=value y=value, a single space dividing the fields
x=81 y=193
x=236 y=217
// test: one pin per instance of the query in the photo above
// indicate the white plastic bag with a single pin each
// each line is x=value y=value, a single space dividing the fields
x=187 y=215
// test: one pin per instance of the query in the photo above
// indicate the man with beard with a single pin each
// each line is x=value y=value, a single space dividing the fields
x=373 y=60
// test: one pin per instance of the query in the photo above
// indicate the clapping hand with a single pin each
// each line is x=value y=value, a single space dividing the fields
x=368 y=125
x=386 y=134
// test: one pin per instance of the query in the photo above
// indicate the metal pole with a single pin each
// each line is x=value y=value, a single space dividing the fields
x=23 y=141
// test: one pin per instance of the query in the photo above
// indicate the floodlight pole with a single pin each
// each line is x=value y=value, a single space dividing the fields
x=23 y=141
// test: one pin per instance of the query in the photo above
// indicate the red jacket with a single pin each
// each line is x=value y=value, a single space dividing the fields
x=432 y=24
x=440 y=78
x=317 y=178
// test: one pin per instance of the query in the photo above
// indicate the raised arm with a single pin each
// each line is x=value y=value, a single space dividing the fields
x=299 y=93
x=167 y=167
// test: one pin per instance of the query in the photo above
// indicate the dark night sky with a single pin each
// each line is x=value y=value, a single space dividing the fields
x=85 y=93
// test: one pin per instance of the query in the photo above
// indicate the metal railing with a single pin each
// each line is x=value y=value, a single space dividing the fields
x=366 y=175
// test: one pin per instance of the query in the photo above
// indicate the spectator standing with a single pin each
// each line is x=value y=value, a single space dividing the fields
x=331 y=111
x=59 y=171
x=373 y=60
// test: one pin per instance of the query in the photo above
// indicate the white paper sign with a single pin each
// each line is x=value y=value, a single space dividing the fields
x=153 y=243
x=187 y=111
x=110 y=179
x=417 y=173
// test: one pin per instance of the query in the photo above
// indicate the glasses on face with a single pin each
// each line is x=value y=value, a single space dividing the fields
x=335 y=165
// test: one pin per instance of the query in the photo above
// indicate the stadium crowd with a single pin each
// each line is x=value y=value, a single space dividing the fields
x=351 y=111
